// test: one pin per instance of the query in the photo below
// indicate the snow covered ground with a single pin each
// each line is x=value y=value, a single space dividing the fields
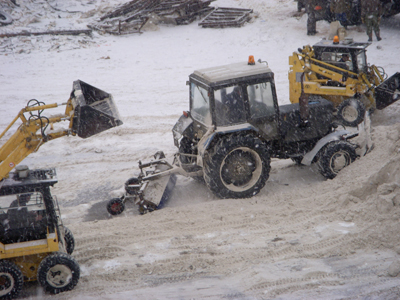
x=302 y=237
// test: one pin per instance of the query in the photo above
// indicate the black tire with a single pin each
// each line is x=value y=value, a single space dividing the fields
x=186 y=147
x=237 y=166
x=5 y=18
x=334 y=157
x=160 y=155
x=132 y=190
x=69 y=240
x=115 y=206
x=11 y=280
x=351 y=112
x=58 y=272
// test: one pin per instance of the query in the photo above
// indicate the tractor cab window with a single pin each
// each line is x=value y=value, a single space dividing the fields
x=261 y=100
x=22 y=217
x=229 y=106
x=200 y=104
x=341 y=60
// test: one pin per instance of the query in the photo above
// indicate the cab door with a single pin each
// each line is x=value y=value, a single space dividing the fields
x=263 y=108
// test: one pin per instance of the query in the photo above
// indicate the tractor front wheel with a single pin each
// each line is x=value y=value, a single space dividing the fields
x=58 y=272
x=237 y=166
x=351 y=112
x=11 y=280
x=334 y=157
x=115 y=206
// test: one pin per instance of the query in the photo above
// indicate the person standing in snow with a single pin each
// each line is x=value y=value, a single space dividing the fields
x=341 y=9
x=371 y=12
x=311 y=21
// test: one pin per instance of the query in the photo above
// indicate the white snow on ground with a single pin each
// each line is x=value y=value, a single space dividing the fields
x=302 y=237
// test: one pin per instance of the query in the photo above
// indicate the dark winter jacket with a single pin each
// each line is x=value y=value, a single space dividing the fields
x=340 y=6
x=371 y=7
x=310 y=5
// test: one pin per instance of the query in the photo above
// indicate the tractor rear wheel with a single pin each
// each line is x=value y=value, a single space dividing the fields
x=115 y=206
x=351 y=112
x=58 y=272
x=334 y=157
x=237 y=166
x=69 y=240
x=11 y=280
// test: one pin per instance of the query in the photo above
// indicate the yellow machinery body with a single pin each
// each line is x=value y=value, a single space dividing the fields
x=338 y=71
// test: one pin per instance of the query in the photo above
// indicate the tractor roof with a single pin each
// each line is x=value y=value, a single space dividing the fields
x=35 y=180
x=231 y=71
x=346 y=44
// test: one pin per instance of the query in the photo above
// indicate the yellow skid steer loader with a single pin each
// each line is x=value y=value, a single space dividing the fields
x=338 y=72
x=34 y=244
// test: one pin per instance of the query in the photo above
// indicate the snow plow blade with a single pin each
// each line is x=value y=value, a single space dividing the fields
x=157 y=184
x=157 y=193
x=388 y=91
x=94 y=110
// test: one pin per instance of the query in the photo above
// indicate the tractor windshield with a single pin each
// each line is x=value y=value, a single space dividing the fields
x=229 y=106
x=200 y=104
x=22 y=218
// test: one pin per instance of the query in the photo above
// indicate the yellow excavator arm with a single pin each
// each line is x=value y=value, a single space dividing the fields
x=88 y=111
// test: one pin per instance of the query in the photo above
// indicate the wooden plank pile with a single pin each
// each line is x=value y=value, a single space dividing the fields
x=226 y=17
x=132 y=16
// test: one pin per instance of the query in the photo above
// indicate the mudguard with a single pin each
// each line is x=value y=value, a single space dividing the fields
x=208 y=137
x=334 y=136
x=363 y=140
x=183 y=125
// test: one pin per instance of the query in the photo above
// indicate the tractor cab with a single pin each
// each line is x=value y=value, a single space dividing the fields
x=347 y=55
x=232 y=95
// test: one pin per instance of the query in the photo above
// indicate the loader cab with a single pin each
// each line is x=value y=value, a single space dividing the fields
x=347 y=55
x=233 y=95
x=27 y=210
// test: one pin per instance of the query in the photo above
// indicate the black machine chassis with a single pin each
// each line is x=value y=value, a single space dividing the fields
x=280 y=147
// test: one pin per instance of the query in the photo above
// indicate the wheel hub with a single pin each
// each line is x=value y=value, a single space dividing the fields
x=59 y=276
x=339 y=161
x=6 y=283
x=241 y=168
x=350 y=113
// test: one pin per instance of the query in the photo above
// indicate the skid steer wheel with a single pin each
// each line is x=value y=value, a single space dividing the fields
x=351 y=112
x=58 y=272
x=69 y=240
x=237 y=166
x=11 y=280
x=115 y=206
x=334 y=157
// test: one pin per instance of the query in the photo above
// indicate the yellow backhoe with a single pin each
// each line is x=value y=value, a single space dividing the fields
x=338 y=71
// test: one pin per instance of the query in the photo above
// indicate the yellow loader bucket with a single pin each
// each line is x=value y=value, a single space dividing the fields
x=94 y=110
